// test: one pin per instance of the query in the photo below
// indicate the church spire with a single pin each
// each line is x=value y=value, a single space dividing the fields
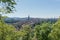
x=28 y=17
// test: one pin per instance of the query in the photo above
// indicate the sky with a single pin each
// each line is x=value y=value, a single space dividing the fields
x=36 y=9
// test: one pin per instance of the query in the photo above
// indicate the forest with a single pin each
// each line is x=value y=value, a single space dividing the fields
x=43 y=31
x=40 y=31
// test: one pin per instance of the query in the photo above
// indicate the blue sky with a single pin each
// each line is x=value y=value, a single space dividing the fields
x=37 y=8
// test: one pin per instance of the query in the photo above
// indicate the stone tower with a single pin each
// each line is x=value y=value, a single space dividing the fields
x=28 y=17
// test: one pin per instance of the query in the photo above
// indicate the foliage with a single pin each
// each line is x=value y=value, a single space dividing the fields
x=27 y=32
x=7 y=32
x=42 y=31
x=7 y=6
x=55 y=33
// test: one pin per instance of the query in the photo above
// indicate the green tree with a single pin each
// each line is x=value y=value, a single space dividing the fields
x=8 y=32
x=26 y=32
x=42 y=31
x=55 y=32
x=7 y=6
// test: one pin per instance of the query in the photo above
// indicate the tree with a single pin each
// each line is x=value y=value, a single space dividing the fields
x=26 y=32
x=55 y=32
x=42 y=31
x=8 y=32
x=7 y=6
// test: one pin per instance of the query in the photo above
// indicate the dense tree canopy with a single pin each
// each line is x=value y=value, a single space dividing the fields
x=55 y=32
x=42 y=31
